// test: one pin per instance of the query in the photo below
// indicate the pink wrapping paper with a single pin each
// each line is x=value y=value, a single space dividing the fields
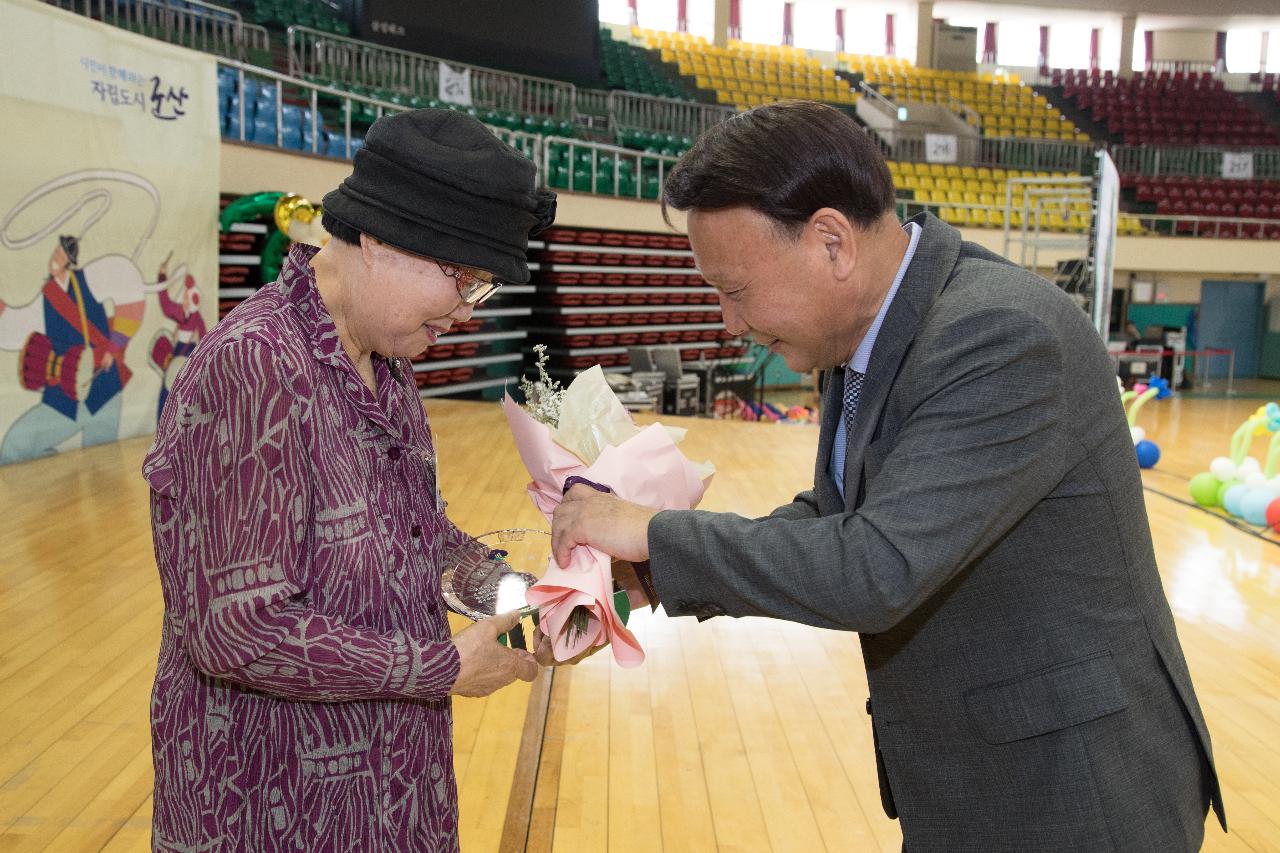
x=647 y=469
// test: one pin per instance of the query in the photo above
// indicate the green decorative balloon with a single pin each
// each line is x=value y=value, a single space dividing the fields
x=1222 y=491
x=1204 y=489
x=248 y=208
x=273 y=252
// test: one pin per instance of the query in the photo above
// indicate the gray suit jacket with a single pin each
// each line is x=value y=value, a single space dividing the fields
x=993 y=551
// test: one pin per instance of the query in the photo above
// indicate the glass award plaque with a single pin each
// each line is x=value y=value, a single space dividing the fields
x=492 y=574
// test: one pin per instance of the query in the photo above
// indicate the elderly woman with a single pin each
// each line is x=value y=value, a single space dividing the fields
x=302 y=696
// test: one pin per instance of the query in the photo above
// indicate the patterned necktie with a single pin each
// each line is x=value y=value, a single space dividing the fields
x=852 y=388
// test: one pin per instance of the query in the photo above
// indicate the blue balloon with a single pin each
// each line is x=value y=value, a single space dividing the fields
x=1254 y=505
x=1148 y=453
x=1231 y=500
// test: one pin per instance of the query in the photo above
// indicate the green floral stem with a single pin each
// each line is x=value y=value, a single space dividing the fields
x=579 y=621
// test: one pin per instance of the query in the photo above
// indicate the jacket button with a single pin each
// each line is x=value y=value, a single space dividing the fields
x=868 y=707
x=415 y=531
x=393 y=453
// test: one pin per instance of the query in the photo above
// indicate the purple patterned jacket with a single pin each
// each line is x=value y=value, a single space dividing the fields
x=301 y=698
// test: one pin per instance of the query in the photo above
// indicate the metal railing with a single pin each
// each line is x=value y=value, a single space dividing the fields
x=285 y=86
x=1030 y=199
x=877 y=97
x=667 y=115
x=354 y=62
x=1163 y=224
x=639 y=168
x=591 y=111
x=1039 y=155
x=195 y=24
x=1184 y=65
x=1150 y=225
x=1182 y=161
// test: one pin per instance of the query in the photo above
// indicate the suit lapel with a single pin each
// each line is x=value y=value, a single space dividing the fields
x=829 y=501
x=936 y=254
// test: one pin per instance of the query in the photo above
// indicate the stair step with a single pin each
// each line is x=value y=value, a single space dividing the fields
x=1081 y=118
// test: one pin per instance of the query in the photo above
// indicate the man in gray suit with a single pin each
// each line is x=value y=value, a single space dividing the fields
x=976 y=514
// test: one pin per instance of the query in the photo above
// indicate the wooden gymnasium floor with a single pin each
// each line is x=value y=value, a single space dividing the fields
x=745 y=735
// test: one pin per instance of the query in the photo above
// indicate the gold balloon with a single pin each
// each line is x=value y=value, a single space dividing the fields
x=299 y=219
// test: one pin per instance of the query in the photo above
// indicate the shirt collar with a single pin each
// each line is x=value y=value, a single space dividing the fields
x=862 y=355
x=298 y=284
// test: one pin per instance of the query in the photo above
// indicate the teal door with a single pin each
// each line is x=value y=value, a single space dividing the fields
x=1231 y=318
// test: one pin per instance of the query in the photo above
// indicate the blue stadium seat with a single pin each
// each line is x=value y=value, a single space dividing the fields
x=263 y=131
x=335 y=144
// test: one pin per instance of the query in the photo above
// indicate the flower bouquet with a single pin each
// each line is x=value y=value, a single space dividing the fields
x=583 y=431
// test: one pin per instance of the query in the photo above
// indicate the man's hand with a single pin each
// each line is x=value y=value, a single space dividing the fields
x=487 y=665
x=610 y=524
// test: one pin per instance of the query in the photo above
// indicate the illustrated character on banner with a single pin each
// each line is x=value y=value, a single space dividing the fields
x=72 y=336
x=169 y=350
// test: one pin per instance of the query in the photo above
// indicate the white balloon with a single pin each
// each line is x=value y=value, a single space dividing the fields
x=1256 y=480
x=1138 y=433
x=1248 y=466
x=1223 y=468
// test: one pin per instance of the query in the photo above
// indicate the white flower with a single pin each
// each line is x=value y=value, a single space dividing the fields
x=542 y=399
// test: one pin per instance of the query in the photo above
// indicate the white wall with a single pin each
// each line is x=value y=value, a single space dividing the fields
x=1184 y=45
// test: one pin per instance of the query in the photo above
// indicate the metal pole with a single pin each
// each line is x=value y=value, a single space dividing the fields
x=240 y=82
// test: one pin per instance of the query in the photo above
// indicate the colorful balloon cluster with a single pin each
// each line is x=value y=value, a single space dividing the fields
x=1148 y=451
x=1238 y=483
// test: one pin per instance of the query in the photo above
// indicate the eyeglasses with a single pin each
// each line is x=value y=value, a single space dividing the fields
x=471 y=287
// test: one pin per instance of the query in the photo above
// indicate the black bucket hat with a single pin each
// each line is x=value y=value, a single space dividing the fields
x=440 y=184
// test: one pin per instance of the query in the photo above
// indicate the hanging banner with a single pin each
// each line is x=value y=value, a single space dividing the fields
x=108 y=226
x=940 y=148
x=1237 y=165
x=1105 y=218
x=455 y=86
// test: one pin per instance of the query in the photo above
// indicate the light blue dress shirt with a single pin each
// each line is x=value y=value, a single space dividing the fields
x=862 y=355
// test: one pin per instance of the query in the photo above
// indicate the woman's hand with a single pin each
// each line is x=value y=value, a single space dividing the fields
x=546 y=656
x=487 y=665
x=588 y=517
